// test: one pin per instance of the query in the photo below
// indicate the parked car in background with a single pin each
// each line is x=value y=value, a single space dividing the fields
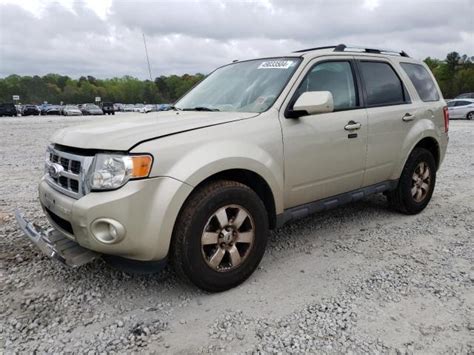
x=48 y=109
x=8 y=109
x=30 y=110
x=142 y=108
x=118 y=107
x=52 y=110
x=71 y=110
x=164 y=107
x=467 y=95
x=128 y=108
x=43 y=108
x=91 y=109
x=461 y=108
x=108 y=108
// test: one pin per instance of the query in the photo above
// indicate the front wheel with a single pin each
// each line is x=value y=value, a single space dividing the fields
x=470 y=116
x=416 y=183
x=220 y=236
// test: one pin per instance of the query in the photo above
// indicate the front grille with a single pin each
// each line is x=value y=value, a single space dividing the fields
x=65 y=171
x=61 y=222
x=73 y=166
x=74 y=185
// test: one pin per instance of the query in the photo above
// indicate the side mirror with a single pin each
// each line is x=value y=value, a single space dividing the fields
x=314 y=102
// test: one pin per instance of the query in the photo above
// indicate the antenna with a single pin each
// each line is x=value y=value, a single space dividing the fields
x=147 y=59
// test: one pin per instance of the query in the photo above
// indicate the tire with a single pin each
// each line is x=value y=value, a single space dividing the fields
x=212 y=264
x=412 y=196
x=470 y=116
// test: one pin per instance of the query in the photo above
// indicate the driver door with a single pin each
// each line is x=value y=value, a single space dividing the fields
x=323 y=154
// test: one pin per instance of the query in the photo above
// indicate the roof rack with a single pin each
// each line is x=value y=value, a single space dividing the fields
x=313 y=49
x=344 y=48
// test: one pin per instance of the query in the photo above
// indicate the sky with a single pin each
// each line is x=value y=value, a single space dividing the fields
x=104 y=38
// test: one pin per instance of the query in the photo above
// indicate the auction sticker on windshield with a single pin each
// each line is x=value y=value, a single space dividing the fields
x=276 y=64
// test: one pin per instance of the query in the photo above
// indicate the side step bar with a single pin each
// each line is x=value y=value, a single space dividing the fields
x=54 y=244
x=301 y=211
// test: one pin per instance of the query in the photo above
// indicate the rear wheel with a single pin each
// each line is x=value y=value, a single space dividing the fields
x=220 y=236
x=470 y=115
x=416 y=183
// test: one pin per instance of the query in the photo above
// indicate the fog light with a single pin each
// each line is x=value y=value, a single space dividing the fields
x=107 y=230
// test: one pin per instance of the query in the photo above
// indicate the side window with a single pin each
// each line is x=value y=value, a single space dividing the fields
x=335 y=77
x=382 y=84
x=462 y=103
x=421 y=79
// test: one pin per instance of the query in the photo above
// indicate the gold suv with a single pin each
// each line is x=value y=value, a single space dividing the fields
x=256 y=144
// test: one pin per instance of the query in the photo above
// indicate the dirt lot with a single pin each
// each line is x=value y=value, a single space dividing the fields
x=356 y=279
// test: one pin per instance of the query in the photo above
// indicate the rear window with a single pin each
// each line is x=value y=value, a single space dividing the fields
x=422 y=81
x=382 y=84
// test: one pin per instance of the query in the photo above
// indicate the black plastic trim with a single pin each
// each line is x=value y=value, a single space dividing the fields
x=60 y=222
x=307 y=209
x=136 y=267
x=87 y=152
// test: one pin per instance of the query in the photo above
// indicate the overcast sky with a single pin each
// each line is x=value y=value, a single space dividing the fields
x=104 y=37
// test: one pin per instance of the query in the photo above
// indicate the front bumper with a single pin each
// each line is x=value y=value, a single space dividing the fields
x=54 y=244
x=147 y=209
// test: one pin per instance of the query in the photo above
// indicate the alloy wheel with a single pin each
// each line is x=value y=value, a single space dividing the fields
x=421 y=181
x=227 y=238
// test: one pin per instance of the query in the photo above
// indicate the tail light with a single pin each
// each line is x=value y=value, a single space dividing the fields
x=446 y=118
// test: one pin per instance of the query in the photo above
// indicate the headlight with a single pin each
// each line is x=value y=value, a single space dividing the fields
x=111 y=171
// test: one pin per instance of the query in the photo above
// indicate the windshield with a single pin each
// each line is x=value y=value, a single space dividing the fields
x=250 y=86
x=71 y=107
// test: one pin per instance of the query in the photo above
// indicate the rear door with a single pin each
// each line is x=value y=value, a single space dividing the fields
x=390 y=115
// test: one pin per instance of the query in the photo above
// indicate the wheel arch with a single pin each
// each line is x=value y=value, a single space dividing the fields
x=430 y=144
x=251 y=179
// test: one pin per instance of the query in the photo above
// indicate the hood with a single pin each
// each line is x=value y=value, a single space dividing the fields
x=122 y=133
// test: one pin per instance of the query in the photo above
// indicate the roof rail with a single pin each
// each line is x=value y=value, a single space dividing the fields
x=313 y=49
x=344 y=48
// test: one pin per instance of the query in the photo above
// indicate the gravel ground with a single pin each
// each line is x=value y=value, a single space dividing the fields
x=356 y=279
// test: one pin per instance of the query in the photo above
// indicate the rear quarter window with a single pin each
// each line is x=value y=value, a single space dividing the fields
x=422 y=81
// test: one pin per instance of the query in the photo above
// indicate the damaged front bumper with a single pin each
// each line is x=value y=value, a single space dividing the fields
x=54 y=244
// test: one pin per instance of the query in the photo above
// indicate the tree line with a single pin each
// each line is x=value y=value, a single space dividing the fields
x=54 y=88
x=455 y=75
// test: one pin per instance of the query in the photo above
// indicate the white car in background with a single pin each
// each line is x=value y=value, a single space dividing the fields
x=128 y=108
x=71 y=110
x=461 y=108
x=142 y=108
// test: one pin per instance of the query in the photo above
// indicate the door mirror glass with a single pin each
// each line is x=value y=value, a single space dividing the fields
x=314 y=102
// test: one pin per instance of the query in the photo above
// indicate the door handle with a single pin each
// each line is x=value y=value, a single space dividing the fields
x=352 y=126
x=408 y=117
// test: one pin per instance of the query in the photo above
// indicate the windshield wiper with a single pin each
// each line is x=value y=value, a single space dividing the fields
x=201 y=108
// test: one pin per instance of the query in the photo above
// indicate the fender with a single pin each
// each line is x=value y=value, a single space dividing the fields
x=423 y=128
x=215 y=157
